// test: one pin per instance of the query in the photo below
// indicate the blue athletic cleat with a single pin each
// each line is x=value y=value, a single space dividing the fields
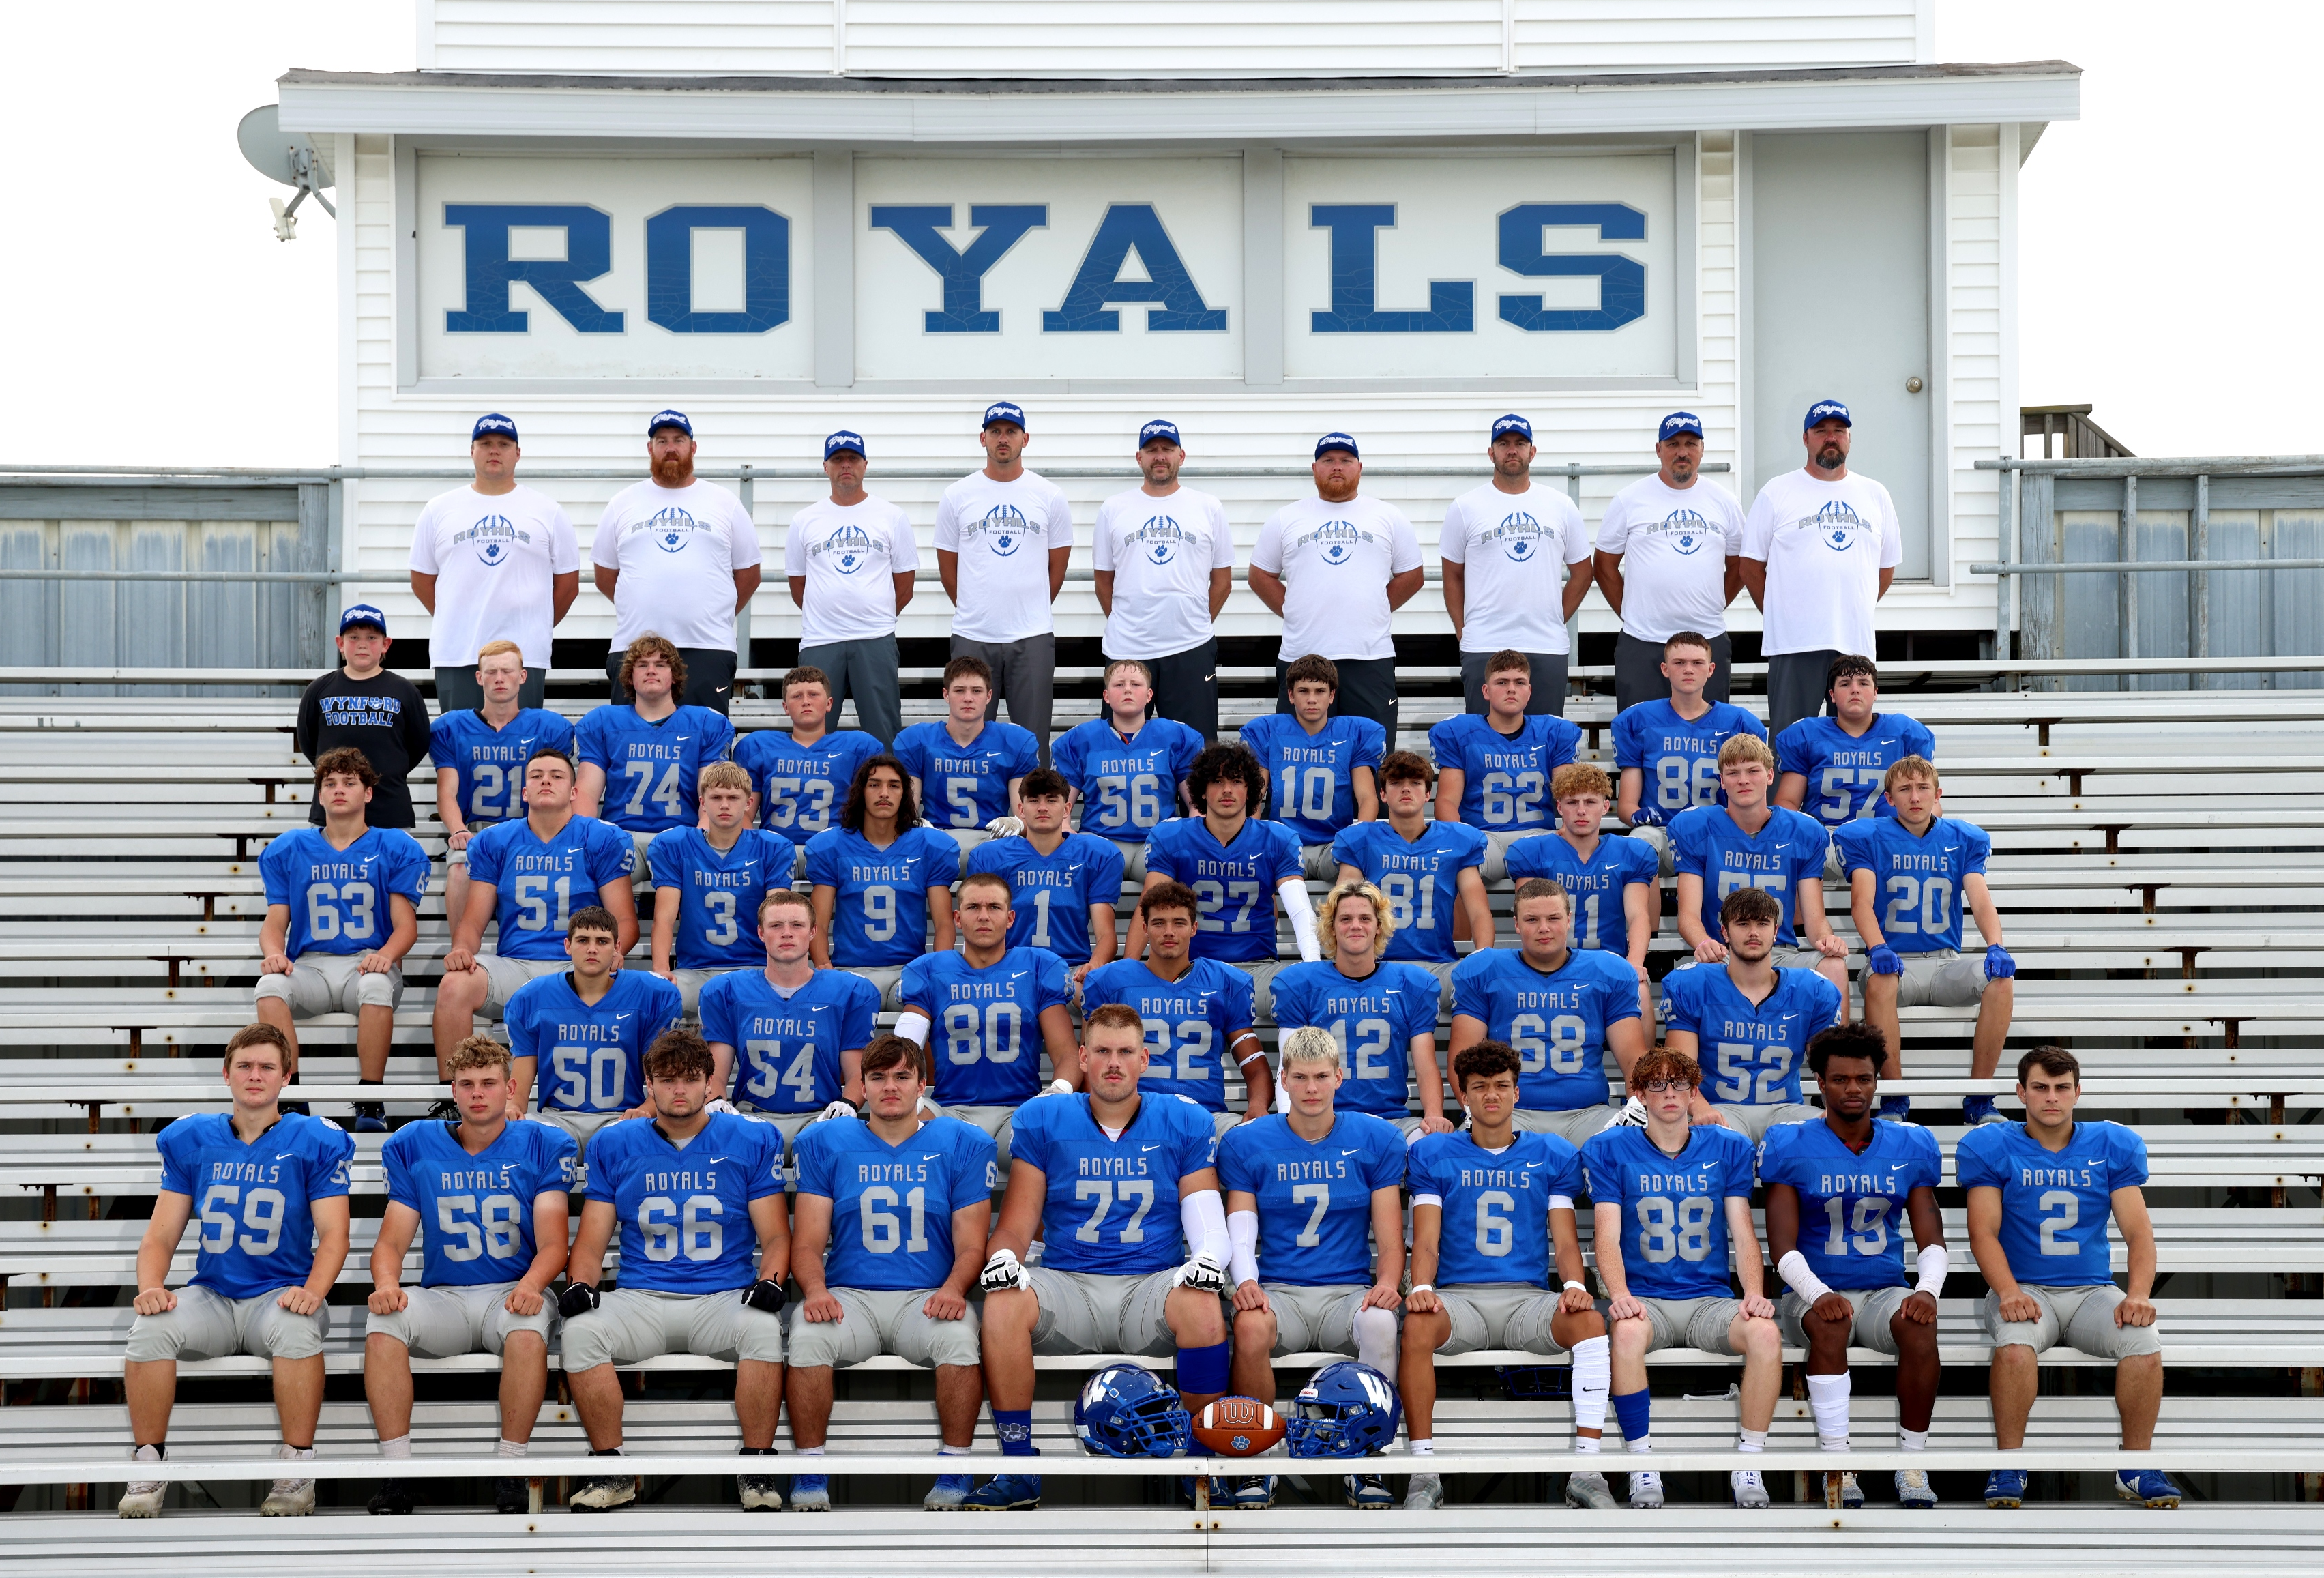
x=371 y=1117
x=2006 y=1488
x=1894 y=1108
x=1977 y=1109
x=1005 y=1494
x=2148 y=1487
x=949 y=1493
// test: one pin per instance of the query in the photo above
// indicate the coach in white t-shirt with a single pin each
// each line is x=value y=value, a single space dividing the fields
x=491 y=562
x=1529 y=549
x=1003 y=535
x=1165 y=558
x=1336 y=566
x=850 y=560
x=1819 y=548
x=680 y=558
x=1670 y=559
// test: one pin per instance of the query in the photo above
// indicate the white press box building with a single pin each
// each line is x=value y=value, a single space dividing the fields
x=1264 y=219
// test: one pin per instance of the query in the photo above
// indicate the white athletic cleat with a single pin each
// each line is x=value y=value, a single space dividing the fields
x=289 y=1498
x=1645 y=1489
x=605 y=1493
x=1842 y=1493
x=1912 y=1488
x=144 y=1498
x=1425 y=1495
x=1747 y=1489
x=1588 y=1488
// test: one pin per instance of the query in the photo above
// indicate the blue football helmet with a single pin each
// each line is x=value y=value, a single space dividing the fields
x=1125 y=1410
x=1348 y=1410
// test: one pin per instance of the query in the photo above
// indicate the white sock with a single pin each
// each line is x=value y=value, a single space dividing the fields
x=948 y=1450
x=1425 y=1448
x=1376 y=1338
x=1593 y=1377
x=400 y=1446
x=1750 y=1440
x=148 y=1452
x=507 y=1448
x=810 y=1452
x=1912 y=1440
x=1828 y=1397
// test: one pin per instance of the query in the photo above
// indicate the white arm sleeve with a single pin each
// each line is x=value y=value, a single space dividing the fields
x=1301 y=913
x=1794 y=1269
x=1204 y=1216
x=1243 y=1259
x=1933 y=1263
x=914 y=1027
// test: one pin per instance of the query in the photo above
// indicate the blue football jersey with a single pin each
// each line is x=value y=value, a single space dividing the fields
x=1844 y=770
x=1788 y=852
x=338 y=898
x=1111 y=1205
x=1310 y=778
x=1315 y=1199
x=1597 y=885
x=880 y=897
x=719 y=894
x=1373 y=1020
x=2054 y=1203
x=685 y=1211
x=1497 y=1206
x=803 y=789
x=1751 y=1054
x=1421 y=880
x=475 y=1212
x=1674 y=1241
x=891 y=1206
x=650 y=768
x=1505 y=780
x=787 y=1049
x=1050 y=895
x=491 y=762
x=590 y=1057
x=1918 y=878
x=1679 y=760
x=1233 y=882
x=986 y=1043
x=966 y=786
x=1192 y=1023
x=1127 y=786
x=1853 y=1226
x=255 y=1203
x=1555 y=1021
x=541 y=882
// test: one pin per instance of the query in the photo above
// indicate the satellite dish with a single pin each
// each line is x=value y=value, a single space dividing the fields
x=288 y=157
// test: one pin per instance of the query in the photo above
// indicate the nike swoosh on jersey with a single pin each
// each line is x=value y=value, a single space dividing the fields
x=1358 y=1152
x=285 y=1155
x=1144 y=1148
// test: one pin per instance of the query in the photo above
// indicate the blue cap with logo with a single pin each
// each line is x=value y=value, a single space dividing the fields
x=669 y=418
x=493 y=425
x=1158 y=428
x=843 y=439
x=1677 y=422
x=1513 y=423
x=1005 y=411
x=363 y=613
x=1330 y=441
x=1827 y=410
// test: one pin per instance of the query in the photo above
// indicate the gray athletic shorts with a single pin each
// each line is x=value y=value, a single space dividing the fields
x=1833 y=871
x=640 y=869
x=1133 y=866
x=1875 y=1307
x=968 y=838
x=1794 y=958
x=1496 y=851
x=1689 y=1322
x=1658 y=840
x=689 y=984
x=1443 y=970
x=888 y=978
x=1940 y=978
x=1317 y=864
x=1309 y=1320
x=320 y=983
x=790 y=1123
x=1572 y=1124
x=444 y=1323
x=503 y=977
x=881 y=1320
x=1000 y=1123
x=210 y=1325
x=632 y=1326
x=1262 y=973
x=2082 y=1318
x=1500 y=1315
x=1084 y=1311
x=584 y=1127
x=1753 y=1121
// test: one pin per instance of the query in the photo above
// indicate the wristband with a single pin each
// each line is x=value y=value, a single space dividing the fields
x=1577 y=1287
x=1794 y=1268
x=1058 y=1087
x=1423 y=1287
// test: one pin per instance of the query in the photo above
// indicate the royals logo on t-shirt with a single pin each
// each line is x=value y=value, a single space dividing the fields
x=1687 y=530
x=671 y=528
x=1838 y=525
x=1003 y=529
x=494 y=536
x=1519 y=535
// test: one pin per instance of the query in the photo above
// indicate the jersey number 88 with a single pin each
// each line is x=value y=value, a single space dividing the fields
x=1681 y=1231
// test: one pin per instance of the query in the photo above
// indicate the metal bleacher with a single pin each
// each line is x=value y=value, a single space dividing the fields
x=2159 y=864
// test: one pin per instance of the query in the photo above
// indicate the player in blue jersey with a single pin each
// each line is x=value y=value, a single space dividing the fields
x=580 y=1038
x=529 y=875
x=1747 y=1023
x=787 y=1035
x=1432 y=871
x=270 y=1189
x=342 y=909
x=1837 y=760
x=1063 y=885
x=1562 y=1007
x=967 y=770
x=1120 y=1184
x=1239 y=869
x=698 y=1197
x=1197 y=1012
x=1322 y=772
x=1492 y=1209
x=1668 y=751
x=709 y=881
x=988 y=1012
x=901 y=1201
x=1309 y=1190
x=801 y=777
x=1670 y=1197
x=1495 y=767
x=640 y=759
x=882 y=880
x=1911 y=877
x=2040 y=1193
x=1618 y=904
x=1380 y=1014
x=1844 y=1193
x=1128 y=771
x=480 y=754
x=486 y=1197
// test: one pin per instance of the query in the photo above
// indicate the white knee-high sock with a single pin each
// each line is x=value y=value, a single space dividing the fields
x=1376 y=1339
x=1593 y=1377
x=1828 y=1397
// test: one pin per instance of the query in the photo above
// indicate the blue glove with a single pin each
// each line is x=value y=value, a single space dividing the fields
x=1646 y=816
x=1895 y=1108
x=1883 y=961
x=1998 y=965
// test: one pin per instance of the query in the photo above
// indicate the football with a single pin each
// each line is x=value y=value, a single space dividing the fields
x=1237 y=1427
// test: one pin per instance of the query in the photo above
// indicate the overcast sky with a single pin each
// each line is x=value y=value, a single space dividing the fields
x=2167 y=238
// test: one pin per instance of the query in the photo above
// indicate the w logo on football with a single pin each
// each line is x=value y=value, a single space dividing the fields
x=670 y=530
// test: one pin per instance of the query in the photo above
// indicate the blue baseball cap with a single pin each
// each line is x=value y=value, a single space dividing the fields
x=363 y=613
x=1827 y=410
x=1004 y=411
x=1513 y=423
x=493 y=424
x=669 y=418
x=1330 y=441
x=1158 y=428
x=843 y=439
x=1677 y=422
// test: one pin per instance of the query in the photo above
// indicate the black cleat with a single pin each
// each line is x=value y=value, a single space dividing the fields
x=511 y=1496
x=391 y=1499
